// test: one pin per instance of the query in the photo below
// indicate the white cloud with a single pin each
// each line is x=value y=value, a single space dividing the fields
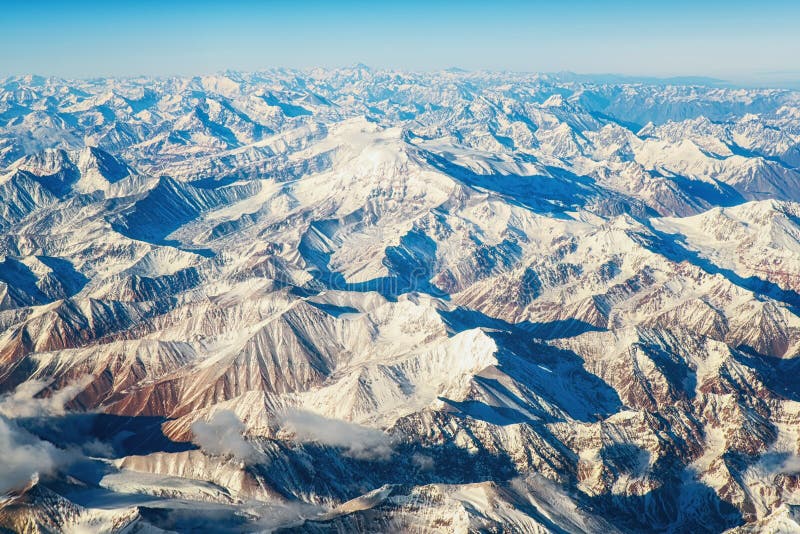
x=357 y=441
x=422 y=461
x=25 y=457
x=791 y=465
x=23 y=403
x=222 y=435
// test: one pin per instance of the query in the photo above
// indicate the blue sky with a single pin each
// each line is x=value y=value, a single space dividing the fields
x=733 y=40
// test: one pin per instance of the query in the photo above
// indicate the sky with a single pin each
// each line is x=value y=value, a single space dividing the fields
x=734 y=40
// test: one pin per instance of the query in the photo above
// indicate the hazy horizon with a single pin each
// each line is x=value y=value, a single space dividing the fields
x=732 y=41
x=789 y=80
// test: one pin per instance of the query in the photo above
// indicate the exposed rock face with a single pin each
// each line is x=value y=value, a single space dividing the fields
x=400 y=302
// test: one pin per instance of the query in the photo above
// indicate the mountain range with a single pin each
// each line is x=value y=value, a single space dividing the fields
x=374 y=301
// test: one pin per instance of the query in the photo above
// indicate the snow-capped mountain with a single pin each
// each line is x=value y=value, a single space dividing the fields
x=355 y=300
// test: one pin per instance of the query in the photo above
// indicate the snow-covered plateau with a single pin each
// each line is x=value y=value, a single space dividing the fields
x=374 y=301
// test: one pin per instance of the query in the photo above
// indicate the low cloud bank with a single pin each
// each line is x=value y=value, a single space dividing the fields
x=357 y=441
x=24 y=457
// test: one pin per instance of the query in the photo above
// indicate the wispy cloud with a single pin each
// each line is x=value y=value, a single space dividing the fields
x=223 y=435
x=24 y=403
x=791 y=465
x=25 y=456
x=357 y=441
x=778 y=463
x=289 y=514
x=423 y=462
